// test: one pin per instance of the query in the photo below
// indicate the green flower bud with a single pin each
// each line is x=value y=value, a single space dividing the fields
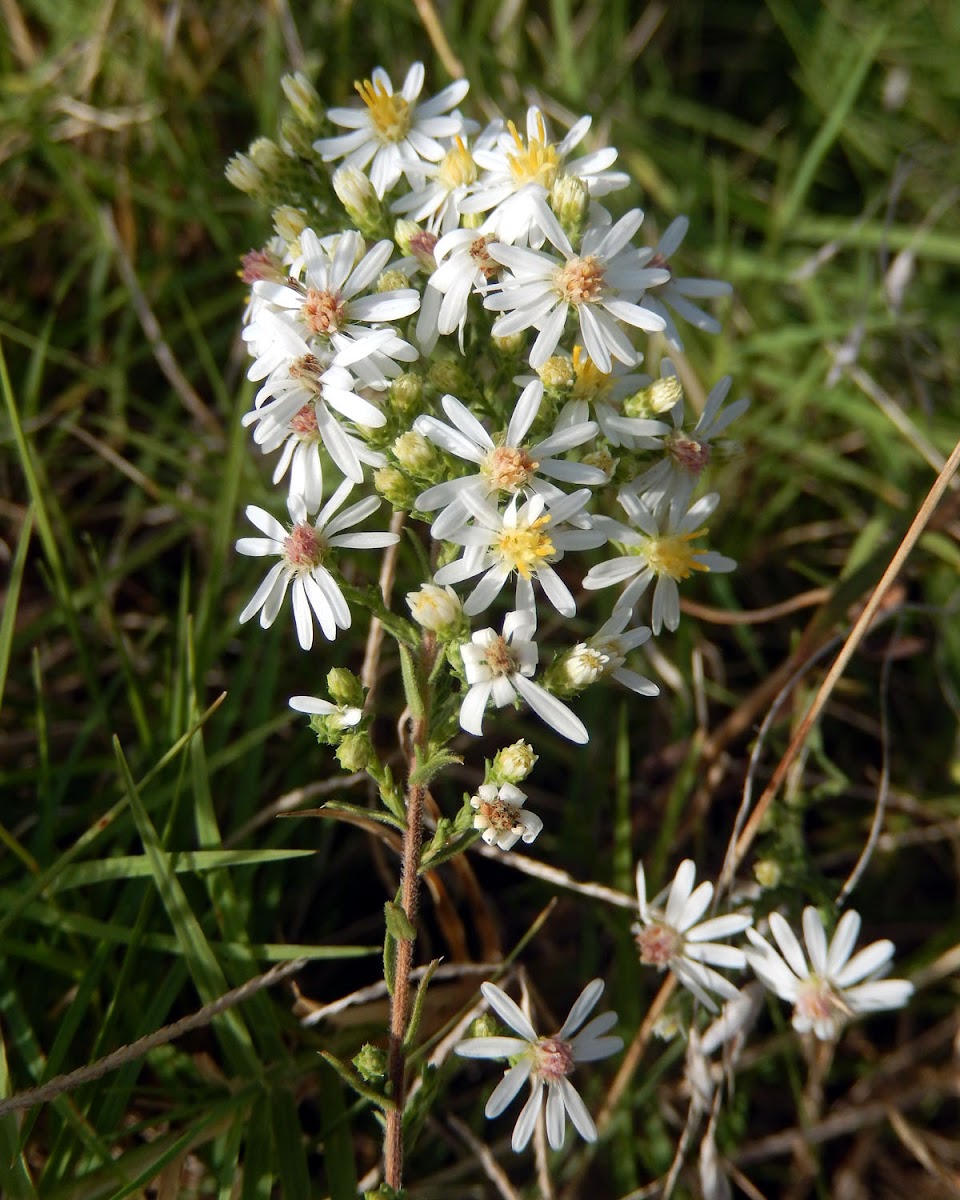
x=344 y=687
x=406 y=393
x=570 y=200
x=654 y=400
x=303 y=99
x=268 y=157
x=414 y=452
x=394 y=486
x=513 y=763
x=391 y=281
x=371 y=1063
x=354 y=752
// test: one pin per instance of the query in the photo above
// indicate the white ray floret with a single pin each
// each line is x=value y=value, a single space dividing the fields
x=395 y=132
x=545 y=1063
x=671 y=936
x=826 y=986
x=679 y=294
x=303 y=551
x=499 y=667
x=606 y=653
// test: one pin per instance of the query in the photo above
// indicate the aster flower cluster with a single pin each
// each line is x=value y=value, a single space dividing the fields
x=450 y=320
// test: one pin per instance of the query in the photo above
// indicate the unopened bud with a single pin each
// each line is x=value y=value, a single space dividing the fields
x=303 y=99
x=406 y=393
x=659 y=397
x=289 y=222
x=344 y=687
x=268 y=156
x=394 y=486
x=243 y=174
x=435 y=608
x=414 y=452
x=403 y=233
x=557 y=372
x=371 y=1063
x=514 y=763
x=767 y=873
x=353 y=753
x=392 y=281
x=570 y=200
x=512 y=344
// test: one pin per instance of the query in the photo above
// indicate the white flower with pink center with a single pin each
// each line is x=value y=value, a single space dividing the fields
x=671 y=936
x=680 y=293
x=303 y=551
x=545 y=1063
x=827 y=987
x=501 y=817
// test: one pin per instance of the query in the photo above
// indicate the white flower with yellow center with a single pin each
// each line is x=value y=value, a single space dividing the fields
x=508 y=466
x=600 y=284
x=523 y=540
x=673 y=937
x=395 y=130
x=501 y=817
x=438 y=201
x=830 y=988
x=327 y=302
x=659 y=548
x=303 y=551
x=499 y=667
x=519 y=173
x=679 y=294
x=545 y=1062
x=606 y=654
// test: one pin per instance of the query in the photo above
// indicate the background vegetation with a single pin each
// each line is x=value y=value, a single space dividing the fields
x=813 y=146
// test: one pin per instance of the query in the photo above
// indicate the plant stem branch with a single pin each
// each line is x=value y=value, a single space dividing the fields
x=409 y=902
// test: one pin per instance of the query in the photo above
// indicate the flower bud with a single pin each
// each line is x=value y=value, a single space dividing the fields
x=394 y=486
x=267 y=156
x=391 y=281
x=557 y=372
x=583 y=665
x=570 y=200
x=414 y=452
x=767 y=873
x=511 y=345
x=406 y=393
x=435 y=608
x=289 y=222
x=448 y=376
x=404 y=232
x=603 y=460
x=353 y=753
x=303 y=99
x=371 y=1063
x=514 y=763
x=659 y=397
x=344 y=687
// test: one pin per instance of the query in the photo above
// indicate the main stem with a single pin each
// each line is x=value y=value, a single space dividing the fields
x=409 y=901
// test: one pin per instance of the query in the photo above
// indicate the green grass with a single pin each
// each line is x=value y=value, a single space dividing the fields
x=143 y=733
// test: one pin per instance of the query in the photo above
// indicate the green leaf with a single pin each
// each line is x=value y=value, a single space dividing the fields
x=411 y=683
x=398 y=923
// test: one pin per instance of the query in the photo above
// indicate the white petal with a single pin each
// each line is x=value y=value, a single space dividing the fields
x=551 y=710
x=506 y=1090
x=526 y=1122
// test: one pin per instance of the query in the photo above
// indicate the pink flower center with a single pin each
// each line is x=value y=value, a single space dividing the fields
x=658 y=944
x=581 y=280
x=303 y=549
x=502 y=817
x=689 y=454
x=554 y=1059
x=304 y=424
x=817 y=1001
x=323 y=312
x=261 y=264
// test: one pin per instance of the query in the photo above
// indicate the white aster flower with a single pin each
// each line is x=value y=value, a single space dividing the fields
x=660 y=548
x=687 y=451
x=505 y=466
x=339 y=716
x=303 y=550
x=464 y=266
x=545 y=1062
x=605 y=654
x=679 y=293
x=524 y=539
x=520 y=173
x=444 y=185
x=670 y=937
x=394 y=129
x=831 y=987
x=329 y=305
x=499 y=667
x=601 y=284
x=501 y=817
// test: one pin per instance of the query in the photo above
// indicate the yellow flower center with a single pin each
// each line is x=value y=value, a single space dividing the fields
x=591 y=383
x=525 y=547
x=508 y=469
x=673 y=555
x=389 y=112
x=458 y=168
x=581 y=280
x=536 y=162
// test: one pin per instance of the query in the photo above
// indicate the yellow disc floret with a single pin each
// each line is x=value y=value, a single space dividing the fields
x=458 y=168
x=673 y=555
x=525 y=547
x=590 y=383
x=389 y=112
x=535 y=162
